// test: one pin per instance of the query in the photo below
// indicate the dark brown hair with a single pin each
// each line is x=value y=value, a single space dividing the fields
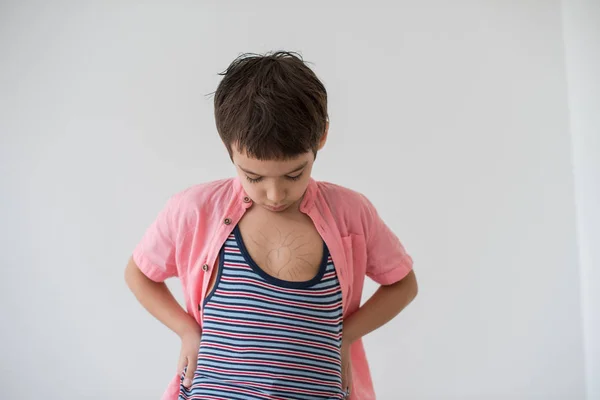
x=271 y=106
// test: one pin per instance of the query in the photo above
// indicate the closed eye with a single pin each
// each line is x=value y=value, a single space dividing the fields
x=294 y=178
x=254 y=180
x=260 y=178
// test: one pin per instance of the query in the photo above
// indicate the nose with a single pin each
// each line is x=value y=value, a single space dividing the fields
x=276 y=194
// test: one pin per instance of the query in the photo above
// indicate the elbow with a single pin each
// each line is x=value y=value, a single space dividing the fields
x=412 y=287
x=129 y=273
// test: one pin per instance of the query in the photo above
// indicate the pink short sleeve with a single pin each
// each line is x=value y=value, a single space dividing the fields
x=387 y=260
x=155 y=253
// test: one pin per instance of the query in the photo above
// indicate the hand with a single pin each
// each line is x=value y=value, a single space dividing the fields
x=346 y=366
x=190 y=344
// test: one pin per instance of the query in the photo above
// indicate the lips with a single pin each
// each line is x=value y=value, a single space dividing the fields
x=278 y=208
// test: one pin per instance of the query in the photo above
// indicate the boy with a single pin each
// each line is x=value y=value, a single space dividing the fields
x=272 y=263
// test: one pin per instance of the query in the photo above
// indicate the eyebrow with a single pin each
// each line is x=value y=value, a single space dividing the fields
x=304 y=164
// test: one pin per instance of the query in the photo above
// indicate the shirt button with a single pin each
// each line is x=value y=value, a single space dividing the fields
x=227 y=221
x=246 y=199
x=205 y=267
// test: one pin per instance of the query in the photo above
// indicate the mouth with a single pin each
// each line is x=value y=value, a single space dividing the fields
x=276 y=209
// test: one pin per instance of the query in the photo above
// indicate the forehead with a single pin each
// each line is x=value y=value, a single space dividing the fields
x=270 y=167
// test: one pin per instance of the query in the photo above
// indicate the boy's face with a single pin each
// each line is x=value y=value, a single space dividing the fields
x=275 y=185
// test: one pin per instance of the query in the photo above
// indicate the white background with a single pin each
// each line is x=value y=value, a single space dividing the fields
x=454 y=118
x=581 y=27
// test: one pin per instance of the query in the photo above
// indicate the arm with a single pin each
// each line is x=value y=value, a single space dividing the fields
x=156 y=298
x=385 y=304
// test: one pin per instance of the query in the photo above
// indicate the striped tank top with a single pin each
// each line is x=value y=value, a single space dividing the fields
x=265 y=338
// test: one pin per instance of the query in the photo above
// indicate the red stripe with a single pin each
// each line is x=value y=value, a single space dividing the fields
x=244 y=373
x=281 y=388
x=203 y=397
x=277 y=313
x=272 y=325
x=271 y=362
x=235 y=390
x=311 y=356
x=267 y=285
x=237 y=265
x=280 y=301
x=285 y=389
x=273 y=339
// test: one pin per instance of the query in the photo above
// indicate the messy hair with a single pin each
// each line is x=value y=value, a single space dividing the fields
x=271 y=106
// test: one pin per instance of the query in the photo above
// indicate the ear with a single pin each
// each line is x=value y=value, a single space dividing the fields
x=324 y=137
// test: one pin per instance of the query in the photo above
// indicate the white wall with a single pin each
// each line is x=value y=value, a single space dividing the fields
x=581 y=27
x=451 y=116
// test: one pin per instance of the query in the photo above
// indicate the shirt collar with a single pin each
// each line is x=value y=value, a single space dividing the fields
x=240 y=195
x=309 y=196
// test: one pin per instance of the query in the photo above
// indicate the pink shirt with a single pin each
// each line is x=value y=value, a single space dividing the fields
x=186 y=237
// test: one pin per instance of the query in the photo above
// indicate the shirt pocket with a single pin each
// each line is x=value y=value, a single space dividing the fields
x=355 y=252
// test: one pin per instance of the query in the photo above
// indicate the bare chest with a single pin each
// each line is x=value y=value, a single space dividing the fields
x=287 y=247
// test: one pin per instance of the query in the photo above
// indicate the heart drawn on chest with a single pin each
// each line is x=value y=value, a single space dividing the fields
x=279 y=258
